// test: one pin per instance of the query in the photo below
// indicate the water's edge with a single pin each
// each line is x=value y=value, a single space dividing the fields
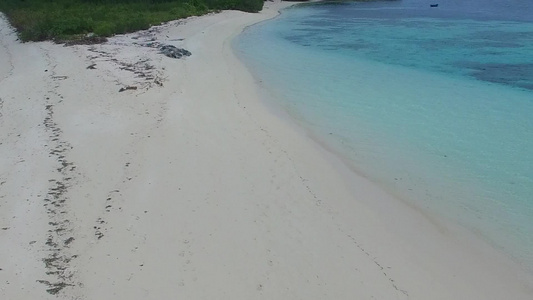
x=333 y=143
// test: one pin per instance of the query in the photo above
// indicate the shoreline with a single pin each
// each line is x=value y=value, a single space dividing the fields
x=333 y=149
x=195 y=188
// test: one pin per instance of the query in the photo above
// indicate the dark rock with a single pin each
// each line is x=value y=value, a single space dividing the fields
x=173 y=52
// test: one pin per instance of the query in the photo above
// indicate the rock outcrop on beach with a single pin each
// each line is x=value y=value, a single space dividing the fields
x=173 y=51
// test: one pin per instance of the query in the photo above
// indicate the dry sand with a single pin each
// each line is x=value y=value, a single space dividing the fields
x=188 y=187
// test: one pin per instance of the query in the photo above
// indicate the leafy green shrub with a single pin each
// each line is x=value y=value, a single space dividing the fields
x=104 y=28
x=48 y=19
x=68 y=26
x=244 y=5
x=131 y=23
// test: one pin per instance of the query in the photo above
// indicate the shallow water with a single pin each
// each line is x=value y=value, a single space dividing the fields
x=433 y=104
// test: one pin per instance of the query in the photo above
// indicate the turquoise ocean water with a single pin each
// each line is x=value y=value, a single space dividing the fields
x=433 y=104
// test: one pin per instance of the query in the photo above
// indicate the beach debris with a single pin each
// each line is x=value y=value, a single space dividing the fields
x=173 y=51
x=54 y=288
x=127 y=88
x=87 y=40
x=69 y=240
x=150 y=44
x=99 y=234
x=60 y=77
x=92 y=67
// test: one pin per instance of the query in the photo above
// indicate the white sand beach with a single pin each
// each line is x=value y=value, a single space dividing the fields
x=186 y=186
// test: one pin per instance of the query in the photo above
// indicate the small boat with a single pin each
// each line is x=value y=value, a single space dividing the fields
x=434 y=5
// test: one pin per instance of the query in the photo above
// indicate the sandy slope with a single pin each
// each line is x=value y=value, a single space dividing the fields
x=189 y=188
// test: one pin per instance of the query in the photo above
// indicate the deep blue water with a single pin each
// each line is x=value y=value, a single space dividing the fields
x=433 y=104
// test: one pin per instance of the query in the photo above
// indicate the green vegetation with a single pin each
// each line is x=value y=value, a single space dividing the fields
x=37 y=20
